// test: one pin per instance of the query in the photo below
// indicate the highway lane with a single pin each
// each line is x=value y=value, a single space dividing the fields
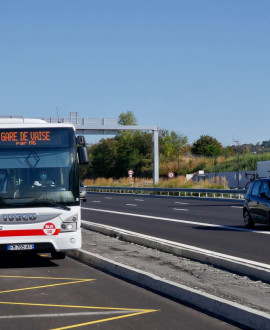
x=225 y=213
x=212 y=225
x=40 y=293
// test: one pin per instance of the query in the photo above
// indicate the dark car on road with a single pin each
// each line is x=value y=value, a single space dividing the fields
x=257 y=203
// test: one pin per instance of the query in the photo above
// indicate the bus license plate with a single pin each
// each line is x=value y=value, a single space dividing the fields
x=19 y=247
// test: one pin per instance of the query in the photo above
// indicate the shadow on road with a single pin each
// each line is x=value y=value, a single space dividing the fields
x=233 y=228
x=25 y=260
x=211 y=205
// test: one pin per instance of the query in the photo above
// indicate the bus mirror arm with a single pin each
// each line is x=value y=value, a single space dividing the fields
x=83 y=156
x=80 y=140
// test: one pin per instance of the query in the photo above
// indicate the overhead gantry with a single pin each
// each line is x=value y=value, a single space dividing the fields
x=100 y=126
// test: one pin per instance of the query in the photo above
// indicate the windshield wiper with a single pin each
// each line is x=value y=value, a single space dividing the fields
x=45 y=202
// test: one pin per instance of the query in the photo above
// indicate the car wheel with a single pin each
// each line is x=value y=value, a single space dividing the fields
x=247 y=220
x=58 y=255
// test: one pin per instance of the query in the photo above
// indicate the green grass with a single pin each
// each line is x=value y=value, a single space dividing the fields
x=246 y=163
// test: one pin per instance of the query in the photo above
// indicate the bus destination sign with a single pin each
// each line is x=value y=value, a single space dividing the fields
x=23 y=138
x=34 y=138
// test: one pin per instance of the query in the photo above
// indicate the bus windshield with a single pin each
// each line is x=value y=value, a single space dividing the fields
x=43 y=173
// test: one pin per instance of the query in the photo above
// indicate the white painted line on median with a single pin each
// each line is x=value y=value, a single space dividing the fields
x=139 y=200
x=64 y=314
x=238 y=207
x=180 y=203
x=180 y=209
x=96 y=201
x=203 y=224
x=108 y=197
x=131 y=204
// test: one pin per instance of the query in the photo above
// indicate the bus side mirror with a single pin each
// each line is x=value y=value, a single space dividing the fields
x=80 y=140
x=83 y=156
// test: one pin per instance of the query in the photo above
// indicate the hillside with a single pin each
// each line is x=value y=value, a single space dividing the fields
x=193 y=164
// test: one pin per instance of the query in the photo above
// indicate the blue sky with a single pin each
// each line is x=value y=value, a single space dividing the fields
x=195 y=66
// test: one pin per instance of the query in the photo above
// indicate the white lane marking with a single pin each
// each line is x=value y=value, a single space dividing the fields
x=180 y=209
x=203 y=224
x=63 y=314
x=180 y=203
x=96 y=201
x=181 y=245
x=131 y=204
x=108 y=197
x=139 y=200
x=237 y=207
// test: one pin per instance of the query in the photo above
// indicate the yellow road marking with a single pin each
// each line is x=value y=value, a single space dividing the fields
x=103 y=320
x=76 y=306
x=44 y=286
x=45 y=278
x=74 y=281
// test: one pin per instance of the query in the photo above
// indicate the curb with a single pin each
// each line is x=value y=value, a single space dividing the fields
x=218 y=306
x=246 y=267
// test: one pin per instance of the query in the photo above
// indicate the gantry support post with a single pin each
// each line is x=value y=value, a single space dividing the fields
x=155 y=158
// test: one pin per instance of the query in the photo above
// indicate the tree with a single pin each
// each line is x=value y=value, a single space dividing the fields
x=134 y=151
x=171 y=144
x=104 y=158
x=206 y=146
x=132 y=147
x=127 y=118
x=228 y=151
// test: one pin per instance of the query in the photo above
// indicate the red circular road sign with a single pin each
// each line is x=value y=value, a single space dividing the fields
x=170 y=175
x=130 y=172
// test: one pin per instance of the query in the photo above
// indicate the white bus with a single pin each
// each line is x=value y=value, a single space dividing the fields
x=39 y=186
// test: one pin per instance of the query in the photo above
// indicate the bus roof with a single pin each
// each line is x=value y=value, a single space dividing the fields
x=20 y=122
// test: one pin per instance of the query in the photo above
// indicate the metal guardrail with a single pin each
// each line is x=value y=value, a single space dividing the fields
x=181 y=192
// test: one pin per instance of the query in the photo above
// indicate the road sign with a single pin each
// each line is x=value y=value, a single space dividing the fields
x=170 y=175
x=130 y=172
x=236 y=176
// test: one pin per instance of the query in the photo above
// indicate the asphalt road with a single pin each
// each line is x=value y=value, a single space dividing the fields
x=212 y=225
x=40 y=293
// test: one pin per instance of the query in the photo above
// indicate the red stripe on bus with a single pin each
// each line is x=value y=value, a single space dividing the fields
x=26 y=232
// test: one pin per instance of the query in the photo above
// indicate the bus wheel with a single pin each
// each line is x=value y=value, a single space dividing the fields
x=58 y=255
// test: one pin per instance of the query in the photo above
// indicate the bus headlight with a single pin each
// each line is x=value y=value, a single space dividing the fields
x=68 y=226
